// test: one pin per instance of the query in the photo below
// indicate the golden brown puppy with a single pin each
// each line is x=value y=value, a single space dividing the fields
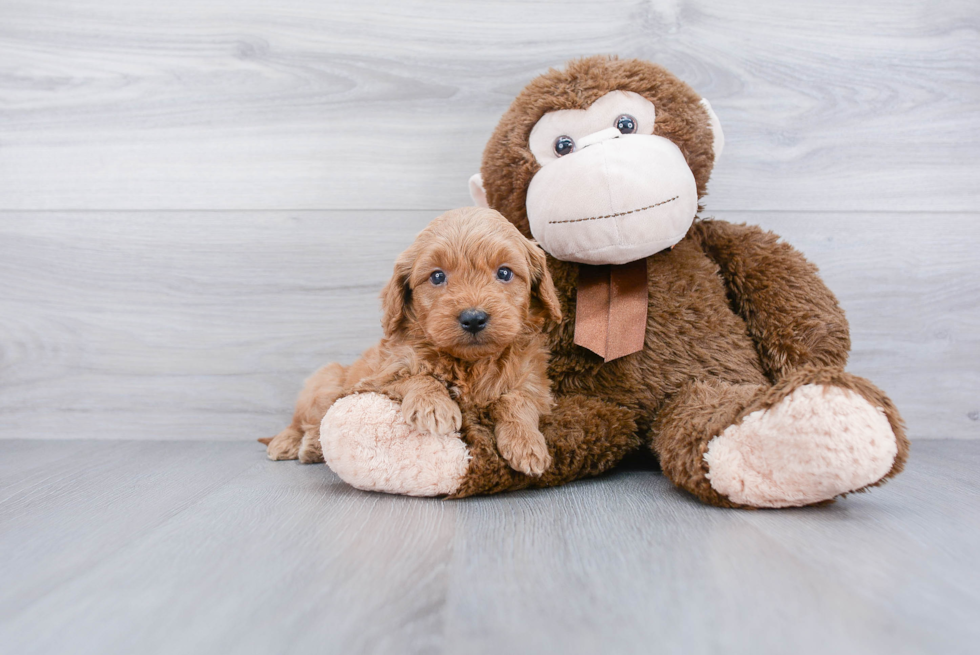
x=463 y=319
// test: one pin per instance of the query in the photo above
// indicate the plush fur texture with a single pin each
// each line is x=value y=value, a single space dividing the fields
x=737 y=322
x=434 y=367
x=586 y=436
x=508 y=164
x=368 y=443
x=689 y=422
x=817 y=443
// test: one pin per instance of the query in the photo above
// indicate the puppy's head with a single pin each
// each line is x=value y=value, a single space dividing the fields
x=470 y=285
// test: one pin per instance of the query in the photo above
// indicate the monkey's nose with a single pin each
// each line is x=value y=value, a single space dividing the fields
x=598 y=137
x=473 y=320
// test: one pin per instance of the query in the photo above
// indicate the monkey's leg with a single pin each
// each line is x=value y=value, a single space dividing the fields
x=816 y=434
x=367 y=442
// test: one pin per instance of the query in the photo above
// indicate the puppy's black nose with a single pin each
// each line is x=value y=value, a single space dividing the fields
x=473 y=320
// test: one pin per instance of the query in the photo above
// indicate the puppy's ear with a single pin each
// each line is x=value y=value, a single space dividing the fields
x=544 y=298
x=396 y=297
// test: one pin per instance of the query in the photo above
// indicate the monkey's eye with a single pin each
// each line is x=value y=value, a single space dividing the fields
x=504 y=274
x=564 y=145
x=437 y=278
x=626 y=124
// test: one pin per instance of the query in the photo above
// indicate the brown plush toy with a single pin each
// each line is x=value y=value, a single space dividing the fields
x=713 y=344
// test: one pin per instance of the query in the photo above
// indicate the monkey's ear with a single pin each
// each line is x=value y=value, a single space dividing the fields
x=396 y=297
x=719 y=136
x=543 y=294
x=477 y=192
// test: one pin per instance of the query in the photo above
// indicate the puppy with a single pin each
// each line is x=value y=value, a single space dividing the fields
x=463 y=317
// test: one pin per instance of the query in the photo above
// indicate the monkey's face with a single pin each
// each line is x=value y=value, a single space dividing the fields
x=603 y=162
x=609 y=190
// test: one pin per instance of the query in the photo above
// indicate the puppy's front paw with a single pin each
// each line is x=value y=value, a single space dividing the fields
x=432 y=413
x=523 y=447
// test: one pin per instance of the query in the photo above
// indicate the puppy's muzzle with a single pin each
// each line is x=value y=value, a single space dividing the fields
x=473 y=320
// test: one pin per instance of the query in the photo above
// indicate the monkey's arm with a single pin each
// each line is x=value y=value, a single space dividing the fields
x=791 y=315
x=586 y=436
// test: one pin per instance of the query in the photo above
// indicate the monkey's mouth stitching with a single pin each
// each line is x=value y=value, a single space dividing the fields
x=599 y=218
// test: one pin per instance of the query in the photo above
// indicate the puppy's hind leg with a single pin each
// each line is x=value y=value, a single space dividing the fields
x=321 y=391
x=302 y=438
x=310 y=450
x=284 y=445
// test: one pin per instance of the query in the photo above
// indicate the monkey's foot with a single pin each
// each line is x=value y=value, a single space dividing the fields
x=367 y=442
x=815 y=444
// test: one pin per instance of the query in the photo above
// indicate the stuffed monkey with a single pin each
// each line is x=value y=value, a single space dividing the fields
x=713 y=344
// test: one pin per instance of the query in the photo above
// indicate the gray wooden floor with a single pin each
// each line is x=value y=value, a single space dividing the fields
x=205 y=547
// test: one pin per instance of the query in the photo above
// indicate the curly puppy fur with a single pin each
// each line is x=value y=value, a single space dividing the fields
x=736 y=319
x=435 y=368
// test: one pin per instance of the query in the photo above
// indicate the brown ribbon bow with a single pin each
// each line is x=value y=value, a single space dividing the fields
x=611 y=308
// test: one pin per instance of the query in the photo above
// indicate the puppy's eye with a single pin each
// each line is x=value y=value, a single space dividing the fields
x=626 y=124
x=504 y=274
x=437 y=278
x=564 y=145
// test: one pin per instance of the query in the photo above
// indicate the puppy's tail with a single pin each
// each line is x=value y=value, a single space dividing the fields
x=264 y=440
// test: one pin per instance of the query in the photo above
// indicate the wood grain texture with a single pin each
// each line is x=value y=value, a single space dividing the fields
x=203 y=325
x=125 y=547
x=114 y=104
x=198 y=325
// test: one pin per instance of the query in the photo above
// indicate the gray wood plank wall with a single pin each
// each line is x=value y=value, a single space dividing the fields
x=200 y=199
